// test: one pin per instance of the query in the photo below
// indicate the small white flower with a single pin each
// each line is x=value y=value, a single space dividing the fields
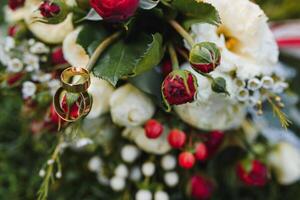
x=171 y=179
x=254 y=98
x=267 y=82
x=240 y=83
x=9 y=43
x=53 y=85
x=121 y=171
x=28 y=89
x=95 y=164
x=117 y=183
x=254 y=84
x=15 y=65
x=31 y=41
x=148 y=168
x=39 y=48
x=129 y=153
x=242 y=95
x=280 y=86
x=161 y=195
x=82 y=142
x=4 y=57
x=143 y=195
x=58 y=174
x=32 y=62
x=50 y=162
x=168 y=162
x=42 y=173
x=41 y=77
x=135 y=174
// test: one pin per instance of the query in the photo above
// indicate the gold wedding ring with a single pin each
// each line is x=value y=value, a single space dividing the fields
x=85 y=105
x=70 y=84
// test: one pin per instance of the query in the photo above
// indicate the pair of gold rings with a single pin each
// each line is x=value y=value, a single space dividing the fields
x=74 y=80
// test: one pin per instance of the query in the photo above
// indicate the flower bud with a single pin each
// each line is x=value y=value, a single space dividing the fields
x=179 y=87
x=53 y=12
x=205 y=57
x=115 y=10
x=15 y=4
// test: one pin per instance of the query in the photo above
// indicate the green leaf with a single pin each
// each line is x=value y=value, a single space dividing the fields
x=197 y=12
x=150 y=83
x=129 y=58
x=91 y=35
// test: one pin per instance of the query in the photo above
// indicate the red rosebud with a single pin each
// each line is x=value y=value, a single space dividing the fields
x=153 y=129
x=57 y=56
x=205 y=57
x=14 y=4
x=14 y=78
x=214 y=140
x=201 y=152
x=201 y=188
x=49 y=9
x=74 y=109
x=186 y=160
x=166 y=67
x=12 y=30
x=176 y=138
x=257 y=175
x=115 y=10
x=179 y=87
x=54 y=118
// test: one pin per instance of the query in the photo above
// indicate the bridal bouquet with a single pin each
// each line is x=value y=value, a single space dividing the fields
x=167 y=94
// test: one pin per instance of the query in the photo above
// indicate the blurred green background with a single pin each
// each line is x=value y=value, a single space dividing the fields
x=22 y=155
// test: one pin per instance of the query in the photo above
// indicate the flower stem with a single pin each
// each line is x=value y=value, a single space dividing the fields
x=182 y=32
x=173 y=56
x=101 y=48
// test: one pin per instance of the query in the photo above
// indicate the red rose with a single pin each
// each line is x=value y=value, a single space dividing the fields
x=201 y=188
x=49 y=9
x=115 y=10
x=257 y=175
x=14 y=4
x=179 y=87
x=57 y=56
x=214 y=141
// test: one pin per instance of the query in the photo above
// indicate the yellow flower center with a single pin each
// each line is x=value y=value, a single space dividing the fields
x=232 y=43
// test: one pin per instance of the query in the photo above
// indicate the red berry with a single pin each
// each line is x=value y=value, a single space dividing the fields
x=153 y=129
x=201 y=188
x=186 y=160
x=201 y=152
x=176 y=138
x=257 y=175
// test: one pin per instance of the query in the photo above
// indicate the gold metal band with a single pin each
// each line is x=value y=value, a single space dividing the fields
x=81 y=85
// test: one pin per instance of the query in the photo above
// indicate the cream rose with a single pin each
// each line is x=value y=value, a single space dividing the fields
x=130 y=107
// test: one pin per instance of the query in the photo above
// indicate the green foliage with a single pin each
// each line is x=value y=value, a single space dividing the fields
x=129 y=58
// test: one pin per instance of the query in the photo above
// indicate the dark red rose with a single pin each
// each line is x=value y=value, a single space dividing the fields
x=201 y=188
x=49 y=9
x=14 y=4
x=179 y=87
x=256 y=175
x=153 y=129
x=166 y=67
x=57 y=56
x=115 y=10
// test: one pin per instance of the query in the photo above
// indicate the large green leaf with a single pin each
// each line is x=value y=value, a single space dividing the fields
x=197 y=12
x=129 y=58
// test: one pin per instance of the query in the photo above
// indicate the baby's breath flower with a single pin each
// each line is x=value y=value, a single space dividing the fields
x=15 y=65
x=28 y=89
x=242 y=95
x=254 y=84
x=267 y=82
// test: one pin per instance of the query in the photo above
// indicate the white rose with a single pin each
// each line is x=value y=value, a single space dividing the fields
x=244 y=38
x=130 y=107
x=285 y=160
x=161 y=195
x=129 y=153
x=168 y=162
x=148 y=168
x=101 y=92
x=143 y=195
x=121 y=171
x=117 y=183
x=171 y=179
x=158 y=146
x=211 y=110
x=73 y=52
